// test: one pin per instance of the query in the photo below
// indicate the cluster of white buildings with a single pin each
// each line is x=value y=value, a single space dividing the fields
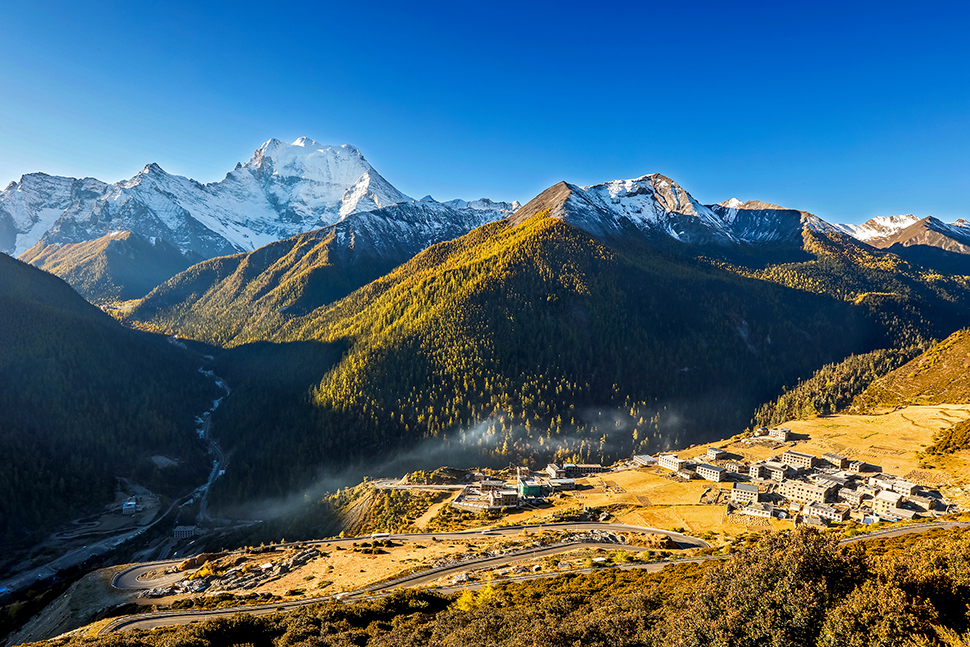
x=821 y=489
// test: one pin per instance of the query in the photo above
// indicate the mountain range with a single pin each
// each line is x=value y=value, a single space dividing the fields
x=287 y=190
x=354 y=322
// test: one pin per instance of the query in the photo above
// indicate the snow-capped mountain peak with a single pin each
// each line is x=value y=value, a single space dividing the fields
x=656 y=207
x=879 y=227
x=306 y=142
x=282 y=190
x=733 y=203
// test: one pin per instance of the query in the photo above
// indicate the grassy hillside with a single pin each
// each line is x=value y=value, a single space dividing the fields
x=530 y=341
x=833 y=387
x=116 y=267
x=82 y=401
x=939 y=375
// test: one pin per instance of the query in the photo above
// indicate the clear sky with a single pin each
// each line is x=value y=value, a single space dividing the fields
x=844 y=109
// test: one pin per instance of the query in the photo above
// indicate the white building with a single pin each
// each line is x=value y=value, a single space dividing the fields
x=744 y=493
x=671 y=462
x=764 y=510
x=710 y=472
x=885 y=501
x=828 y=512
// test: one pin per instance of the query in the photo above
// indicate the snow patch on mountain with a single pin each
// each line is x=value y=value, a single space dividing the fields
x=879 y=227
x=655 y=205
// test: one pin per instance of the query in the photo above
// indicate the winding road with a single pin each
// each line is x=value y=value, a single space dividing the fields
x=133 y=577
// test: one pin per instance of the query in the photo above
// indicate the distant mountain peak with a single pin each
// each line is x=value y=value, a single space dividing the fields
x=306 y=142
x=657 y=207
x=879 y=227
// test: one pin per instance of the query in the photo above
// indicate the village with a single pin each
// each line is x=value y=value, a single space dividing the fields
x=810 y=489
x=799 y=487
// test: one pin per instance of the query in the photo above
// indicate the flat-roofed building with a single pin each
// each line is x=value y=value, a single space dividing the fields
x=798 y=460
x=901 y=513
x=801 y=491
x=713 y=453
x=555 y=471
x=776 y=471
x=490 y=484
x=764 y=510
x=671 y=462
x=904 y=487
x=574 y=471
x=858 y=495
x=835 y=459
x=923 y=503
x=644 y=460
x=881 y=481
x=744 y=493
x=757 y=471
x=584 y=469
x=832 y=513
x=734 y=467
x=558 y=485
x=685 y=473
x=779 y=433
x=710 y=472
x=884 y=501
x=503 y=498
x=528 y=487
x=826 y=480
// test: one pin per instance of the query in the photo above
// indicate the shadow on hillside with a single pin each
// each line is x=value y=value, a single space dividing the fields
x=933 y=257
x=291 y=365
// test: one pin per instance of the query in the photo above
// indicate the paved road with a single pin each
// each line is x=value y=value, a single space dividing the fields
x=134 y=577
x=904 y=530
x=127 y=578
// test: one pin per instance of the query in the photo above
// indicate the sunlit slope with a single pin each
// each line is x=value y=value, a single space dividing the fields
x=541 y=332
x=541 y=317
x=116 y=267
x=941 y=375
x=83 y=401
x=246 y=298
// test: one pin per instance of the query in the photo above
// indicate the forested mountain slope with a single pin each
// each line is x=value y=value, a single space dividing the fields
x=548 y=340
x=118 y=266
x=246 y=297
x=83 y=400
x=913 y=303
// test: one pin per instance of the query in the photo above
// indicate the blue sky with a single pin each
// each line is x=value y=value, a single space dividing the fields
x=847 y=110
